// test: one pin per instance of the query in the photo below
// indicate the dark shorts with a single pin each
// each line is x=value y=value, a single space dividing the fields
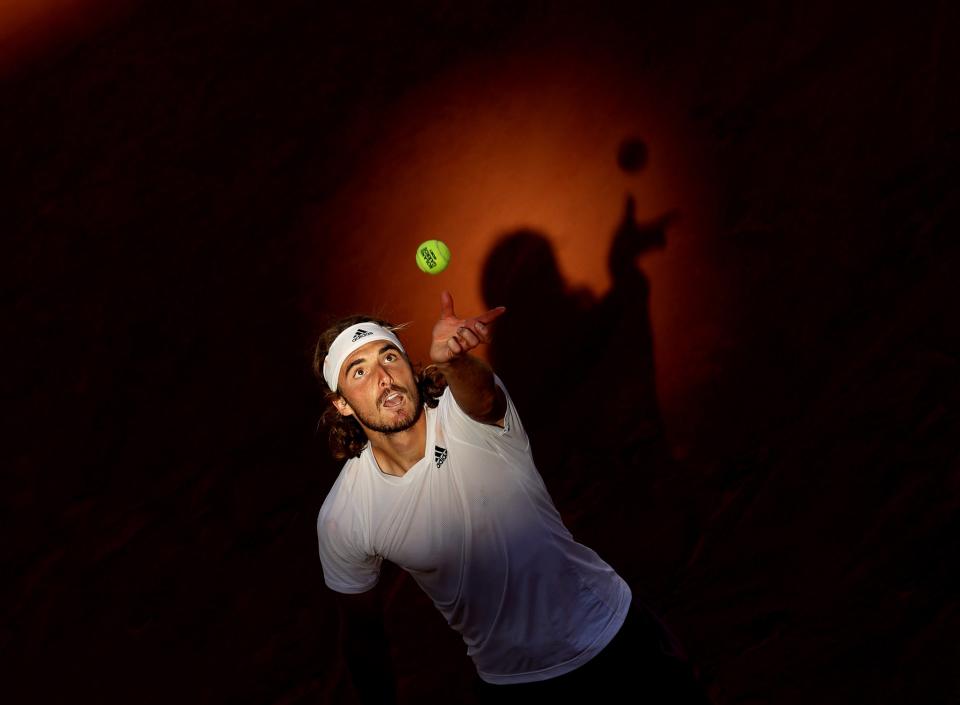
x=642 y=664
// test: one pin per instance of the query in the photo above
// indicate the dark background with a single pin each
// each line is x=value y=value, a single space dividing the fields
x=162 y=474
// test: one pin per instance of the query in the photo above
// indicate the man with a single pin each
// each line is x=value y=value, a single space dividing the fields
x=446 y=488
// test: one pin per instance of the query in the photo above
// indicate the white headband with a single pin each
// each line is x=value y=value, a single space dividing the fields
x=348 y=341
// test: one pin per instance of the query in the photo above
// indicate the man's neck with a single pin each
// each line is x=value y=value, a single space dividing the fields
x=396 y=453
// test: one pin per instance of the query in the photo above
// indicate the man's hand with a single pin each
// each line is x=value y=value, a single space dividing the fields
x=454 y=337
x=470 y=380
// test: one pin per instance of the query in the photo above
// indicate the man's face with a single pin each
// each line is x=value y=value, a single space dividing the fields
x=378 y=387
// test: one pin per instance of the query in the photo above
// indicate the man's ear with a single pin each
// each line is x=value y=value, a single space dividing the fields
x=341 y=405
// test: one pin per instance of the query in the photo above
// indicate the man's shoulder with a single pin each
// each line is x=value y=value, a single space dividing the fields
x=345 y=490
x=448 y=406
x=447 y=401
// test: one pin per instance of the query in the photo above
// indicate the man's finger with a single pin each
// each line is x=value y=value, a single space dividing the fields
x=454 y=346
x=446 y=305
x=467 y=336
x=482 y=332
x=491 y=315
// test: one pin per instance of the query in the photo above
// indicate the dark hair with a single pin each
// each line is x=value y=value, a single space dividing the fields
x=344 y=433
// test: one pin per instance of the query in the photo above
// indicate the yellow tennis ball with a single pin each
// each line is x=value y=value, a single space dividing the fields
x=433 y=256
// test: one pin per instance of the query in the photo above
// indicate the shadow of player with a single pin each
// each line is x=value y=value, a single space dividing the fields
x=580 y=370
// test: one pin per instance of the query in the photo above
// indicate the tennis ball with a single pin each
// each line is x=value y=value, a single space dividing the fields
x=433 y=256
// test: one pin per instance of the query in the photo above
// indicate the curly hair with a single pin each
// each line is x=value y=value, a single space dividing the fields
x=344 y=433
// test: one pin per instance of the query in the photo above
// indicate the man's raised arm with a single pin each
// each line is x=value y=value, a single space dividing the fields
x=470 y=379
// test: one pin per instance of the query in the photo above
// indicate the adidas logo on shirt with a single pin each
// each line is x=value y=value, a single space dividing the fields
x=439 y=454
x=361 y=333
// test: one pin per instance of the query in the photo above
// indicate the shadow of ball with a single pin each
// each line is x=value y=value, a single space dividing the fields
x=632 y=155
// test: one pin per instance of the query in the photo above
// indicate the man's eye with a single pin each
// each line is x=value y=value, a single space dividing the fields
x=391 y=357
x=358 y=372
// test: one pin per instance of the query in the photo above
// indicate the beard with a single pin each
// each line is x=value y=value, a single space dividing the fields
x=397 y=426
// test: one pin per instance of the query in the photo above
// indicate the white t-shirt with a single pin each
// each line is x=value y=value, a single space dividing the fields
x=473 y=523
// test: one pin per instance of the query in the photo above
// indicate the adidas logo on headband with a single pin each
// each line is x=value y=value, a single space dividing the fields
x=361 y=333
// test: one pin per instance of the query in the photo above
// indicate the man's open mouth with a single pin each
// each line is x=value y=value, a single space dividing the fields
x=392 y=400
